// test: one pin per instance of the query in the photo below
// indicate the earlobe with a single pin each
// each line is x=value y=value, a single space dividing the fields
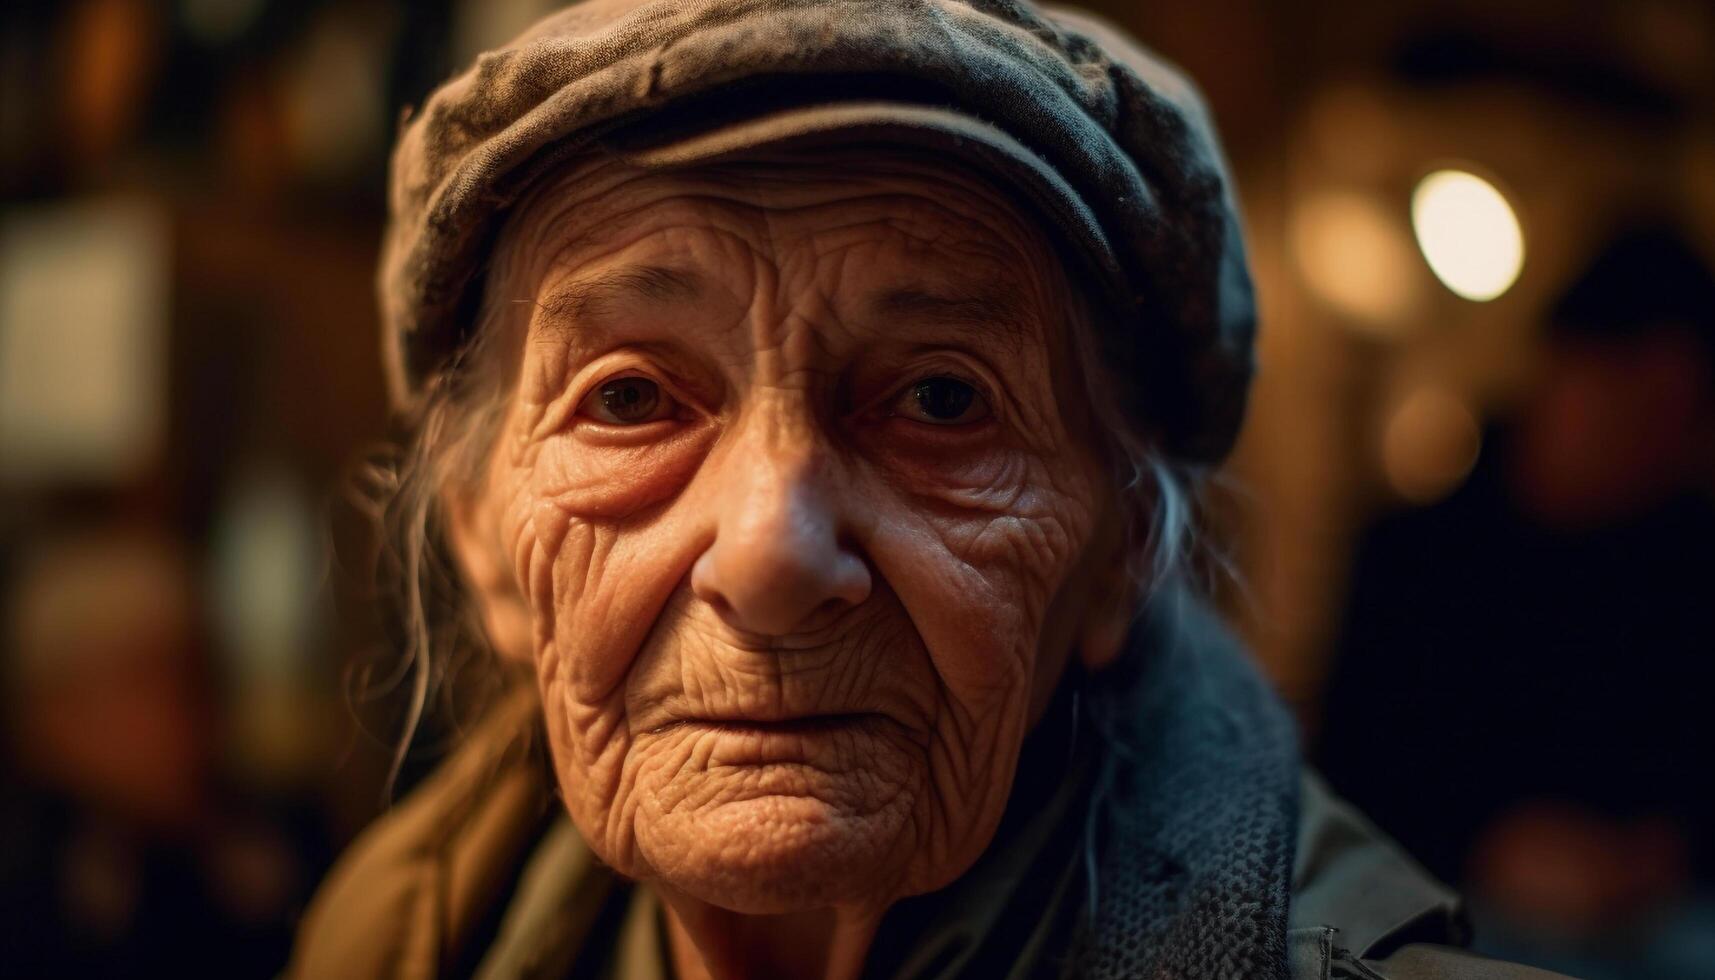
x=473 y=535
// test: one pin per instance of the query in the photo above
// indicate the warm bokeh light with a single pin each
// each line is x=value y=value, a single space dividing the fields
x=1356 y=258
x=1429 y=445
x=1468 y=233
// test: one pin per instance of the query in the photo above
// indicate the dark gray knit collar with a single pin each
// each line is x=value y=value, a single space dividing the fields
x=1195 y=809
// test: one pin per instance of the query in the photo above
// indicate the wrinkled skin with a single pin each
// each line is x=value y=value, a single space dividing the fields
x=790 y=626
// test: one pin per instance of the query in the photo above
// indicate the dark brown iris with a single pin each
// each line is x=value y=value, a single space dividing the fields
x=944 y=399
x=630 y=399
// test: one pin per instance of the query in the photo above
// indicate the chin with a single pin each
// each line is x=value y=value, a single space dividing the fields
x=777 y=854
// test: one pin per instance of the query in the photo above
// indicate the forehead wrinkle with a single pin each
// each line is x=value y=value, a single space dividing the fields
x=595 y=296
x=558 y=231
x=967 y=280
x=644 y=263
x=981 y=307
x=754 y=213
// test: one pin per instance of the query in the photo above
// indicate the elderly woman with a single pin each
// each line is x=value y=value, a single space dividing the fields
x=808 y=394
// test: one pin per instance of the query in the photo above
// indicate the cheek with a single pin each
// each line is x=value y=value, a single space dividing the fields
x=978 y=544
x=596 y=549
x=569 y=506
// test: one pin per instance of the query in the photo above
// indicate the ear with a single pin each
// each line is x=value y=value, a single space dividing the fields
x=473 y=534
x=1113 y=596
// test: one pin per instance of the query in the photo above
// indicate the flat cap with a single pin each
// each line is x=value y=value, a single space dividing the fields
x=1110 y=145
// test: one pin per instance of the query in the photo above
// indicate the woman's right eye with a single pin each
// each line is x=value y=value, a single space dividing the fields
x=630 y=400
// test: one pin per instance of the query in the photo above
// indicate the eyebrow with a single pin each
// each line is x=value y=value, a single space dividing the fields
x=595 y=296
x=999 y=307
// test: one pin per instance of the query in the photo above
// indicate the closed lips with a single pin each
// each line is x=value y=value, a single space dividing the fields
x=805 y=725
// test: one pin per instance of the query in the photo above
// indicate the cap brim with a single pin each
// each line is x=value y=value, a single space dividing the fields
x=935 y=128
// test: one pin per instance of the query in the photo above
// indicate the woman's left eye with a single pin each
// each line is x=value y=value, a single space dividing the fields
x=942 y=401
x=628 y=401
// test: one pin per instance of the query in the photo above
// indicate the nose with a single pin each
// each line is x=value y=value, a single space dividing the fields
x=779 y=563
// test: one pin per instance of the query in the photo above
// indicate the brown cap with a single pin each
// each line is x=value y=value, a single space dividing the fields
x=1110 y=145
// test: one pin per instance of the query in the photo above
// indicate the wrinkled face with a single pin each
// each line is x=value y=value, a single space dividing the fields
x=794 y=505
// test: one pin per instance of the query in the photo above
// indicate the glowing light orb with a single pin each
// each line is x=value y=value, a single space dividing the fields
x=1468 y=233
x=1429 y=445
x=1356 y=257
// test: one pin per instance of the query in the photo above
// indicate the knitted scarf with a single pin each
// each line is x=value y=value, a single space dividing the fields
x=1196 y=807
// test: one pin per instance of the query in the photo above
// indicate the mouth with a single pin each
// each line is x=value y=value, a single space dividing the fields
x=824 y=742
x=804 y=725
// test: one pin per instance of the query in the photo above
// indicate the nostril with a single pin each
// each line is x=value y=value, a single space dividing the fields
x=829 y=610
x=780 y=600
x=850 y=578
x=782 y=575
x=705 y=583
x=718 y=603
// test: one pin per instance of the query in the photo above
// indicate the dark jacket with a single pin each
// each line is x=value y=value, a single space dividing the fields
x=1362 y=908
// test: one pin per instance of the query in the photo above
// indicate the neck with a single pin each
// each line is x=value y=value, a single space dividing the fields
x=712 y=943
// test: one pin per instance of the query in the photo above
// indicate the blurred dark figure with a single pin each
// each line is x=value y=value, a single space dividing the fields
x=1522 y=690
x=120 y=855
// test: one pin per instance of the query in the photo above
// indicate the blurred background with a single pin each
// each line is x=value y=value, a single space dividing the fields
x=1470 y=526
